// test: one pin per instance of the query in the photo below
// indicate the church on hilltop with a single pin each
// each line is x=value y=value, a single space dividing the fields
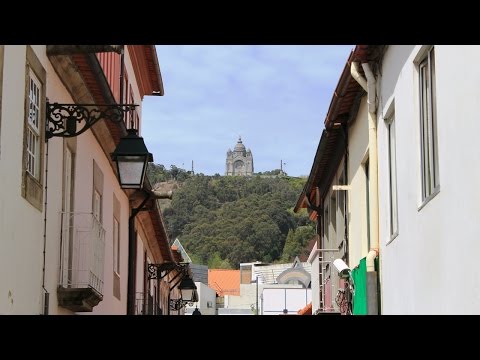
x=239 y=161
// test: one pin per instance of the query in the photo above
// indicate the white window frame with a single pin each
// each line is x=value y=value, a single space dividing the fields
x=33 y=123
x=97 y=205
x=430 y=185
x=116 y=246
x=392 y=175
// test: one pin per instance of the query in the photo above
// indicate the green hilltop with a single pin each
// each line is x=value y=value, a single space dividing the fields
x=223 y=221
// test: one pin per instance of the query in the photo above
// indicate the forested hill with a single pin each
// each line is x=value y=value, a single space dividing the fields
x=223 y=220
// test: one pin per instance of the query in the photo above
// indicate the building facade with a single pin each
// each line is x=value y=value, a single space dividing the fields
x=402 y=122
x=428 y=200
x=239 y=161
x=69 y=240
x=338 y=196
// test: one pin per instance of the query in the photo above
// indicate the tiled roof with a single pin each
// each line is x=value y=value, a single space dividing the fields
x=268 y=274
x=176 y=254
x=224 y=281
x=307 y=310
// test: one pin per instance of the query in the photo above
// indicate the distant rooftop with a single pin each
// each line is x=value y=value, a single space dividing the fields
x=224 y=281
x=268 y=273
x=180 y=248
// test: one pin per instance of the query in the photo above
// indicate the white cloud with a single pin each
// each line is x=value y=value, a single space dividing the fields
x=276 y=97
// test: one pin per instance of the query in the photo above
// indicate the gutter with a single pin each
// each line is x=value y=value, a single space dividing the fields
x=370 y=86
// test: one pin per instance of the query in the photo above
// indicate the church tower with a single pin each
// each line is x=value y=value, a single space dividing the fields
x=239 y=161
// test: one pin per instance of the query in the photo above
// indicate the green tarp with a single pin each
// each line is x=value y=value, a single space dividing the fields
x=359 y=275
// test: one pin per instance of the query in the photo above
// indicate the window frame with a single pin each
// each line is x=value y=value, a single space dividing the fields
x=392 y=174
x=33 y=125
x=97 y=205
x=32 y=184
x=116 y=246
x=429 y=174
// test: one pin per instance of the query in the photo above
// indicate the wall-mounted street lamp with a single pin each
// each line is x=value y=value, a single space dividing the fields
x=182 y=280
x=131 y=154
x=132 y=158
x=188 y=291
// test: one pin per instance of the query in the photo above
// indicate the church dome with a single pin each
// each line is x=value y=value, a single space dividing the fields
x=240 y=147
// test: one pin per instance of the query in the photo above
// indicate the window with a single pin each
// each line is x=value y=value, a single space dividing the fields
x=392 y=177
x=116 y=246
x=34 y=125
x=116 y=239
x=97 y=192
x=428 y=126
x=97 y=205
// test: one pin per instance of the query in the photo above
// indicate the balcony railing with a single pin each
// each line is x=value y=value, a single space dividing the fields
x=82 y=261
x=148 y=307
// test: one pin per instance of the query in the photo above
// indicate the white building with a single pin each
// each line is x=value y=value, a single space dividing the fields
x=64 y=219
x=428 y=178
x=409 y=110
x=206 y=303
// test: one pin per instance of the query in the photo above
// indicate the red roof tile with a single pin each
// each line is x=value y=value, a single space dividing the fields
x=307 y=310
x=224 y=281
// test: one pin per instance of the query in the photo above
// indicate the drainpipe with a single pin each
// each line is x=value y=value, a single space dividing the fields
x=369 y=86
x=356 y=75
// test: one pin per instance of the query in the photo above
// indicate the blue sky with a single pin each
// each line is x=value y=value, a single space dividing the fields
x=274 y=97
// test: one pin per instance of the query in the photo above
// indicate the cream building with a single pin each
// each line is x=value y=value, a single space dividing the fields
x=338 y=197
x=64 y=219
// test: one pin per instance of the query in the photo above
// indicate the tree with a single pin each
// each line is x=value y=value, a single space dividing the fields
x=227 y=220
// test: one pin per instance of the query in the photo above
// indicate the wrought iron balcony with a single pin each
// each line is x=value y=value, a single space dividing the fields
x=82 y=262
x=146 y=307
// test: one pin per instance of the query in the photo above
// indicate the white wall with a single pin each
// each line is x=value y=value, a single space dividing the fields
x=247 y=299
x=21 y=224
x=431 y=267
x=290 y=297
x=315 y=278
x=206 y=296
x=357 y=201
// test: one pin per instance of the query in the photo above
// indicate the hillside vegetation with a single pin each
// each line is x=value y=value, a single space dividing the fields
x=223 y=221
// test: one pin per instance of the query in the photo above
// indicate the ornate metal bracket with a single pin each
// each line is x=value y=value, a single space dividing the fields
x=177 y=304
x=62 y=119
x=154 y=271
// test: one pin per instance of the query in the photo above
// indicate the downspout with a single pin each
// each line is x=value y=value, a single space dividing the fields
x=122 y=76
x=46 y=295
x=370 y=87
x=319 y=232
